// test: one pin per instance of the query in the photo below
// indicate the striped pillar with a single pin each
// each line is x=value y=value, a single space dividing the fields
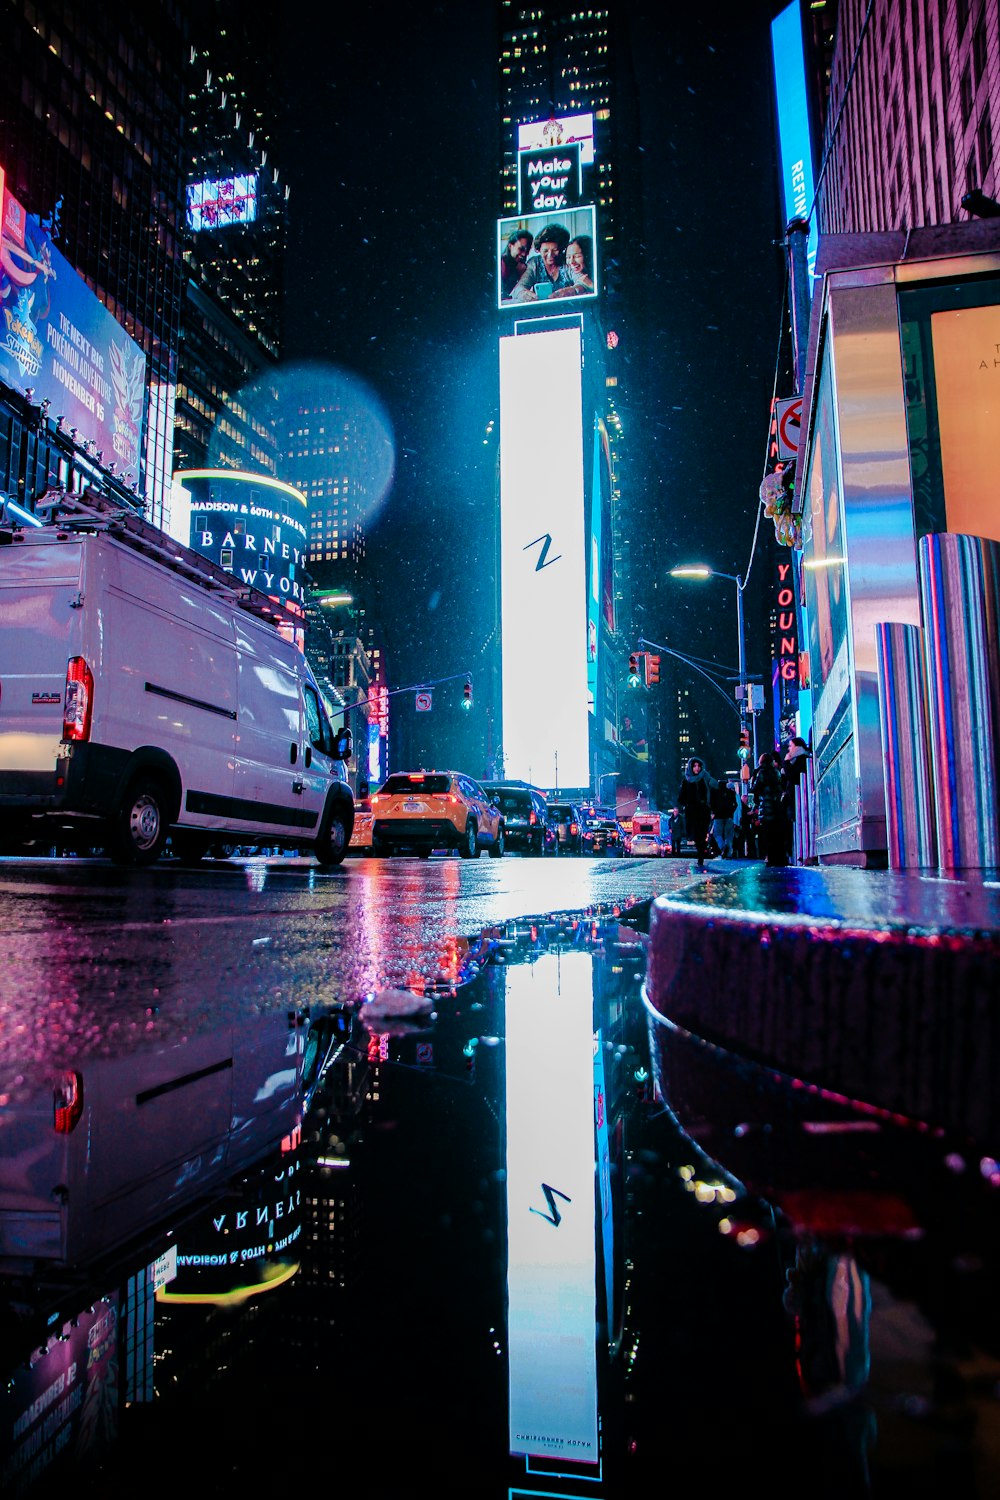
x=960 y=604
x=906 y=761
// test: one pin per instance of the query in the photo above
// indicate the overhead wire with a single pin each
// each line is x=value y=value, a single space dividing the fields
x=767 y=445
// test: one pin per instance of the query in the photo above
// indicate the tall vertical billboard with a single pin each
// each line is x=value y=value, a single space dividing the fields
x=794 y=137
x=543 y=563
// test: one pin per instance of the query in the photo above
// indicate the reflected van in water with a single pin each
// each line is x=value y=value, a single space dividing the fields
x=505 y=1236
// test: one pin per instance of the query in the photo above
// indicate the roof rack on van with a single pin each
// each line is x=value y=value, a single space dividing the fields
x=93 y=512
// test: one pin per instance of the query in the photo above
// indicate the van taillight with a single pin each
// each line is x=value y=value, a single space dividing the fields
x=79 y=700
x=532 y=818
x=573 y=828
x=67 y=1102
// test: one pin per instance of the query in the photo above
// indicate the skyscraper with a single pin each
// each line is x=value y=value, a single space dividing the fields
x=336 y=448
x=236 y=223
x=559 y=70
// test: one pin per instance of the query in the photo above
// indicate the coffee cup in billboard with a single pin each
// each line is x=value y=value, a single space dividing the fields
x=543 y=289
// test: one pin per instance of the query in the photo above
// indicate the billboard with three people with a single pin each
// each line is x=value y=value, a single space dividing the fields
x=547 y=256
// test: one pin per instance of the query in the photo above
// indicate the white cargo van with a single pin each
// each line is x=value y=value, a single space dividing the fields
x=145 y=692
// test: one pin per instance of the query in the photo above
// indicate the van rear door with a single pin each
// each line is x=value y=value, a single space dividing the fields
x=40 y=608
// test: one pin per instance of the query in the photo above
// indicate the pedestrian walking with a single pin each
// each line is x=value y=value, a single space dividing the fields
x=767 y=789
x=676 y=826
x=744 y=843
x=723 y=804
x=694 y=801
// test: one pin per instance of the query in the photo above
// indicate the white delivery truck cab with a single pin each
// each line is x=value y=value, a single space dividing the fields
x=145 y=692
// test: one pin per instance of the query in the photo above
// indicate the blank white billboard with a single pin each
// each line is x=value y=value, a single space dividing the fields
x=543 y=584
x=551 y=1201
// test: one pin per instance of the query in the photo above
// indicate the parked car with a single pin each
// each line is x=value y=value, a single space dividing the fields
x=567 y=820
x=603 y=836
x=525 y=816
x=418 y=811
x=648 y=845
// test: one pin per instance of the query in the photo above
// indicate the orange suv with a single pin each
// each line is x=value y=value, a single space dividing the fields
x=417 y=811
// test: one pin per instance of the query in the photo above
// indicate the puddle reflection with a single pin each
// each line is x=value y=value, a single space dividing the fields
x=501 y=1227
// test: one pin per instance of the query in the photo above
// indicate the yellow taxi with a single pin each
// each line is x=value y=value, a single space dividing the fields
x=417 y=811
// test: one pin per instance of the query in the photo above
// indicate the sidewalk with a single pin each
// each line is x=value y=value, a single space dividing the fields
x=882 y=986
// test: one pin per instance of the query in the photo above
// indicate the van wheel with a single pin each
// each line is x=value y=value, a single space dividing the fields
x=331 y=846
x=469 y=848
x=497 y=847
x=139 y=830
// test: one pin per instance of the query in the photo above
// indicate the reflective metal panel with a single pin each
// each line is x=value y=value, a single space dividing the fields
x=902 y=692
x=960 y=589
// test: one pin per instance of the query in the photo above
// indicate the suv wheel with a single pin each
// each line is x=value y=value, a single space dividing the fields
x=497 y=847
x=469 y=846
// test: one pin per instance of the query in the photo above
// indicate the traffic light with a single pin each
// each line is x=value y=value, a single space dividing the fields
x=744 y=744
x=467 y=693
x=652 y=669
x=633 y=669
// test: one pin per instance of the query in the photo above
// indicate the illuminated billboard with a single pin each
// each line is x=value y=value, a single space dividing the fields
x=549 y=181
x=966 y=343
x=561 y=130
x=794 y=134
x=217 y=204
x=543 y=560
x=59 y=342
x=250 y=525
x=547 y=256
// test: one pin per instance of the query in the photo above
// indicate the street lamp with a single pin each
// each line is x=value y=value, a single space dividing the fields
x=700 y=571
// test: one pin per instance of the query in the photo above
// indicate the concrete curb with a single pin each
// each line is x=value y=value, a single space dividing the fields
x=880 y=986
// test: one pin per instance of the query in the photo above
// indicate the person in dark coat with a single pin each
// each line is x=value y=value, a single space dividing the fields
x=772 y=821
x=694 y=801
x=793 y=768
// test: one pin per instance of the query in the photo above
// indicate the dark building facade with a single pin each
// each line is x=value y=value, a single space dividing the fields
x=92 y=105
x=236 y=229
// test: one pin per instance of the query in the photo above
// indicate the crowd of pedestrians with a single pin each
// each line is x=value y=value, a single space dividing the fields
x=754 y=821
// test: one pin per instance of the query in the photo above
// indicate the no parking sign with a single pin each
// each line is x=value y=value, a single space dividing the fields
x=789 y=417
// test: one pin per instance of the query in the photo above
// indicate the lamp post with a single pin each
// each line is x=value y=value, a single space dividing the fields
x=700 y=571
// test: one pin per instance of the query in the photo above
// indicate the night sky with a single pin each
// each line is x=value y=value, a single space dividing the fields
x=391 y=147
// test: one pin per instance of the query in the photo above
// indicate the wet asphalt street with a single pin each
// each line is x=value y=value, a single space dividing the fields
x=391 y=1165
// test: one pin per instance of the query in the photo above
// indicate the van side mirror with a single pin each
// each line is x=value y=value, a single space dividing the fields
x=343 y=744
